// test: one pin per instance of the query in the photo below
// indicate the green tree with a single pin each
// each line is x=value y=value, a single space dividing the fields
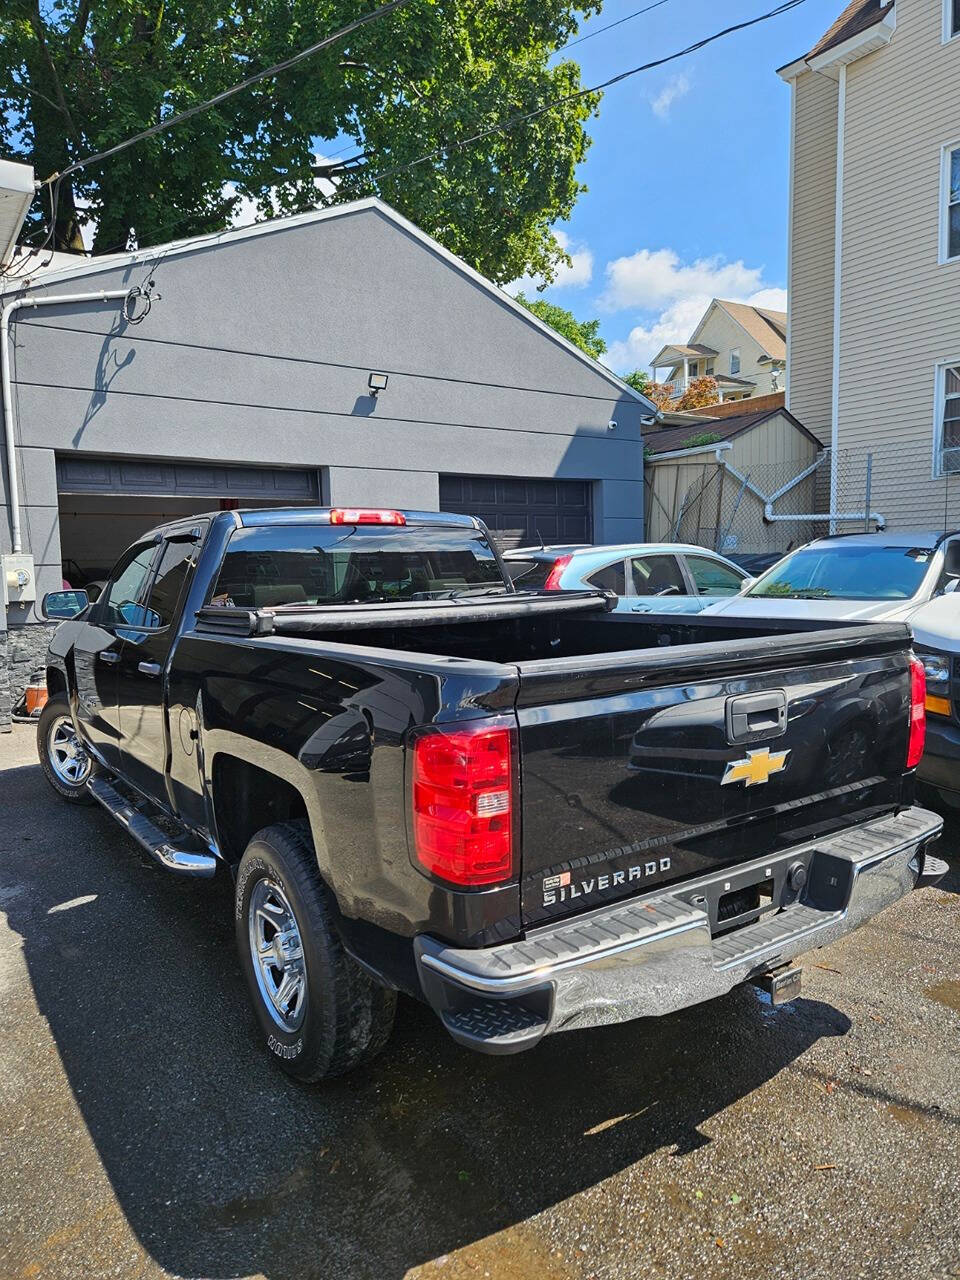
x=77 y=76
x=639 y=380
x=582 y=333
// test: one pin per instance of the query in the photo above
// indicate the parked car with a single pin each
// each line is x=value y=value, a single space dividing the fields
x=864 y=576
x=936 y=630
x=756 y=563
x=423 y=780
x=648 y=577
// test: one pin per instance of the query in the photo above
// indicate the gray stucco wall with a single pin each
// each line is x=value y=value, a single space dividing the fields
x=259 y=350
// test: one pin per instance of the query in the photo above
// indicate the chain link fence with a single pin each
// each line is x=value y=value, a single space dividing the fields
x=771 y=507
x=748 y=510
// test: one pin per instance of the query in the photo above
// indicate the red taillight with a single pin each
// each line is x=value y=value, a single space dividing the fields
x=918 y=713
x=366 y=515
x=463 y=804
x=556 y=573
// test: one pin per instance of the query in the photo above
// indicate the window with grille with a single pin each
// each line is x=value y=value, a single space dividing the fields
x=950 y=420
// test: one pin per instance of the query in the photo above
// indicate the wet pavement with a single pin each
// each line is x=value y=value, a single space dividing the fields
x=144 y=1133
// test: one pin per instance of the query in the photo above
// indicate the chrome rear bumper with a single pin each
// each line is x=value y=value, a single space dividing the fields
x=659 y=953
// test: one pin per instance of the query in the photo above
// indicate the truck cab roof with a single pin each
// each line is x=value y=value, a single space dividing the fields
x=263 y=517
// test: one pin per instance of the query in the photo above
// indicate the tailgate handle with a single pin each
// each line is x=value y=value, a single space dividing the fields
x=756 y=716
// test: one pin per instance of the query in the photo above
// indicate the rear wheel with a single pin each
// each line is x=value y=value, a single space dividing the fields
x=319 y=1013
x=63 y=758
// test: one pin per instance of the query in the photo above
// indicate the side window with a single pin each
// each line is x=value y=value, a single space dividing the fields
x=121 y=605
x=657 y=576
x=610 y=578
x=950 y=205
x=175 y=564
x=948 y=397
x=735 y=361
x=713 y=578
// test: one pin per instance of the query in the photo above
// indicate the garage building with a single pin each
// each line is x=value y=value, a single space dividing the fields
x=335 y=357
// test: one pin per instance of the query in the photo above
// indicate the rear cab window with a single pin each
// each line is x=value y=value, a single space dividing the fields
x=272 y=567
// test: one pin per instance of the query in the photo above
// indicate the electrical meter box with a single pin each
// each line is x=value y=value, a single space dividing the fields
x=18 y=579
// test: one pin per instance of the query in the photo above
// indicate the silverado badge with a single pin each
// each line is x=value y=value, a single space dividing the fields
x=758 y=767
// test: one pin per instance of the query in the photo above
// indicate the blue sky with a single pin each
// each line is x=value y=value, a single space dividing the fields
x=687 y=174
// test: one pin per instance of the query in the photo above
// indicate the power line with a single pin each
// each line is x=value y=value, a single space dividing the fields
x=313 y=361
x=600 y=432
x=333 y=168
x=527 y=116
x=609 y=27
x=503 y=126
x=275 y=70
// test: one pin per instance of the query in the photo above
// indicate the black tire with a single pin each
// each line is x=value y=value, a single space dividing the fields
x=347 y=1017
x=54 y=714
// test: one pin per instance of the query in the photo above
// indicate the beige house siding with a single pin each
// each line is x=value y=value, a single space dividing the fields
x=775 y=443
x=724 y=334
x=900 y=307
x=810 y=286
x=770 y=455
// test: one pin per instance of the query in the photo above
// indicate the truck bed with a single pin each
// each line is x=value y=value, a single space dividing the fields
x=621 y=721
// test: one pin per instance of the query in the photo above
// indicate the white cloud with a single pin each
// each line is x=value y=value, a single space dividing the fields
x=579 y=274
x=769 y=299
x=674 y=295
x=653 y=278
x=676 y=323
x=671 y=92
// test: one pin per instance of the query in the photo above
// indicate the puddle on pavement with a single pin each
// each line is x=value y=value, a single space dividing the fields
x=946 y=993
x=909 y=1117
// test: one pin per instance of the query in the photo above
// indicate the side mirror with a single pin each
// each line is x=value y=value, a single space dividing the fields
x=951 y=586
x=747 y=583
x=57 y=605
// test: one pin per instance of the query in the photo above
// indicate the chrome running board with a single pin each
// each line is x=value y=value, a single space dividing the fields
x=184 y=856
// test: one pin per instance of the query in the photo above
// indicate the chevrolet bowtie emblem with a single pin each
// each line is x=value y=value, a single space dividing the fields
x=758 y=767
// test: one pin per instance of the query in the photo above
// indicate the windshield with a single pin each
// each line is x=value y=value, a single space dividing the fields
x=355 y=564
x=839 y=572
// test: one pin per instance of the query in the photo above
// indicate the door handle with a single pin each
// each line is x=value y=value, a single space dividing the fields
x=756 y=716
x=149 y=668
x=108 y=655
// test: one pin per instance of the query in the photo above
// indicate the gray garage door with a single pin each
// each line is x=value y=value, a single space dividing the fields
x=521 y=512
x=185 y=479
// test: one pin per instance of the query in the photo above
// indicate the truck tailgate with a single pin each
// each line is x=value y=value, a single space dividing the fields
x=646 y=768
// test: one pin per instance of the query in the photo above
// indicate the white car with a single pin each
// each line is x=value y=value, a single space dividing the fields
x=880 y=576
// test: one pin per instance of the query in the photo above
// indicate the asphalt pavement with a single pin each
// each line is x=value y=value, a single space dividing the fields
x=145 y=1133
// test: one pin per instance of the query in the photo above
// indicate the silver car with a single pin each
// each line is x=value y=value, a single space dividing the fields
x=649 y=577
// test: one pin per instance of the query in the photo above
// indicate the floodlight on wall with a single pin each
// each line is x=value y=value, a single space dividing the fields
x=377 y=382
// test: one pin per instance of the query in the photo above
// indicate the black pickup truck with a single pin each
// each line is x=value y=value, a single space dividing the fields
x=524 y=809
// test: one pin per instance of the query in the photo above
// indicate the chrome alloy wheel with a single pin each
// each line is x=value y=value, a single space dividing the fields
x=277 y=952
x=66 y=753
